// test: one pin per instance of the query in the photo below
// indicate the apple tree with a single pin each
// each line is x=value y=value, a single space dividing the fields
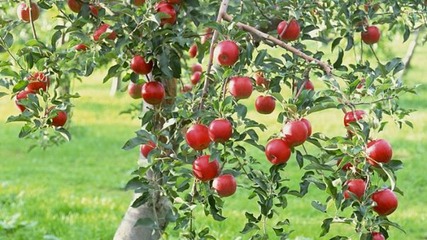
x=196 y=139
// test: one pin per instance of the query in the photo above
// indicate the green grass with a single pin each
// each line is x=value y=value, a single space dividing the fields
x=74 y=191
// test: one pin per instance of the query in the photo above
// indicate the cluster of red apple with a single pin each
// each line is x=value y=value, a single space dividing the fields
x=37 y=82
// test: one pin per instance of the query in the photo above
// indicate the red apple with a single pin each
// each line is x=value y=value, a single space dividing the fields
x=153 y=92
x=102 y=29
x=205 y=170
x=197 y=137
x=309 y=85
x=346 y=166
x=197 y=67
x=265 y=104
x=377 y=236
x=356 y=187
x=308 y=125
x=295 y=132
x=193 y=51
x=195 y=78
x=75 y=5
x=140 y=66
x=23 y=12
x=371 y=35
x=174 y=1
x=226 y=53
x=37 y=81
x=379 y=151
x=353 y=116
x=220 y=130
x=145 y=149
x=138 y=2
x=225 y=185
x=207 y=35
x=288 y=32
x=135 y=90
x=94 y=10
x=277 y=151
x=186 y=88
x=385 y=202
x=168 y=9
x=260 y=79
x=21 y=95
x=59 y=119
x=81 y=47
x=240 y=87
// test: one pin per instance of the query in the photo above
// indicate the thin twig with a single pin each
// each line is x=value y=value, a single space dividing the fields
x=221 y=13
x=375 y=101
x=33 y=28
x=326 y=67
x=260 y=11
x=4 y=45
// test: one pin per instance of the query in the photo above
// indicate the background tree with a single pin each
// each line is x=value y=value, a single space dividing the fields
x=269 y=43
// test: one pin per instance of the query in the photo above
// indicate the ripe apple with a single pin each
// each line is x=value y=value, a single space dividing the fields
x=386 y=202
x=309 y=85
x=94 y=10
x=21 y=95
x=197 y=137
x=193 y=51
x=205 y=170
x=295 y=132
x=377 y=236
x=220 y=130
x=60 y=119
x=138 y=2
x=368 y=5
x=135 y=90
x=226 y=53
x=102 y=29
x=174 y=1
x=145 y=149
x=207 y=35
x=153 y=92
x=346 y=166
x=379 y=151
x=23 y=12
x=37 y=81
x=81 y=47
x=353 y=116
x=140 y=66
x=371 y=35
x=260 y=79
x=225 y=185
x=356 y=187
x=240 y=87
x=75 y=5
x=277 y=151
x=195 y=78
x=288 y=32
x=168 y=9
x=186 y=88
x=308 y=125
x=197 y=67
x=265 y=104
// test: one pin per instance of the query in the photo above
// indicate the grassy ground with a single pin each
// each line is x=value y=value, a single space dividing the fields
x=74 y=191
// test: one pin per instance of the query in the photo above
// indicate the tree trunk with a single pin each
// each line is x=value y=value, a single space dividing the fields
x=155 y=209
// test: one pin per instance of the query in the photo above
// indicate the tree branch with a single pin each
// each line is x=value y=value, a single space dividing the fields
x=221 y=13
x=266 y=37
x=33 y=28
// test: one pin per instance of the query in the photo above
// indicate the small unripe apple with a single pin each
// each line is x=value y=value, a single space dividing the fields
x=265 y=104
x=225 y=185
x=240 y=87
x=140 y=66
x=23 y=12
x=288 y=32
x=226 y=53
x=371 y=35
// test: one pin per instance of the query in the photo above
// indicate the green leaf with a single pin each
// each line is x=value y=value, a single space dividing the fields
x=260 y=57
x=133 y=142
x=249 y=227
x=319 y=206
x=146 y=222
x=141 y=200
x=326 y=225
x=112 y=71
x=55 y=37
x=339 y=60
x=8 y=40
x=64 y=133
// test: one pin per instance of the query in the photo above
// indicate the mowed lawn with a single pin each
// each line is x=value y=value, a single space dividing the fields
x=74 y=191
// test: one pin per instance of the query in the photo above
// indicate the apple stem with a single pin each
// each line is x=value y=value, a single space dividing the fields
x=266 y=37
x=32 y=22
x=221 y=13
